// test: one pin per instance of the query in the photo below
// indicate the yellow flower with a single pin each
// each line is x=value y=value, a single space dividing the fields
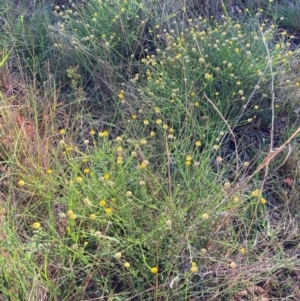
x=255 y=192
x=49 y=171
x=143 y=141
x=263 y=201
x=158 y=121
x=92 y=132
x=154 y=270
x=106 y=176
x=72 y=216
x=187 y=162
x=188 y=158
x=92 y=216
x=118 y=255
x=36 y=225
x=86 y=171
x=144 y=164
x=102 y=203
x=126 y=265
x=108 y=210
x=21 y=183
x=194 y=268
x=237 y=199
x=84 y=160
x=78 y=179
x=152 y=134
x=103 y=134
x=62 y=131
x=119 y=160
x=208 y=76
x=198 y=143
x=146 y=122
x=205 y=216
x=243 y=250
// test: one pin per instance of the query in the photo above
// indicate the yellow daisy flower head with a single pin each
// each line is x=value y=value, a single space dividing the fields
x=86 y=171
x=108 y=210
x=36 y=226
x=102 y=203
x=263 y=201
x=103 y=134
x=92 y=216
x=78 y=179
x=126 y=265
x=21 y=183
x=194 y=268
x=154 y=270
x=205 y=216
x=188 y=158
x=255 y=192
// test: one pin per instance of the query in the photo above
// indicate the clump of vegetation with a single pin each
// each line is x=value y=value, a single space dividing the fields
x=149 y=152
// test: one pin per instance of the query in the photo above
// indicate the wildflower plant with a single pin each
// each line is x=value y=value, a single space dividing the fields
x=215 y=60
x=116 y=167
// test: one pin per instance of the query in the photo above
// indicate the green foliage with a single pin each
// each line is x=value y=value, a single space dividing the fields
x=138 y=141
